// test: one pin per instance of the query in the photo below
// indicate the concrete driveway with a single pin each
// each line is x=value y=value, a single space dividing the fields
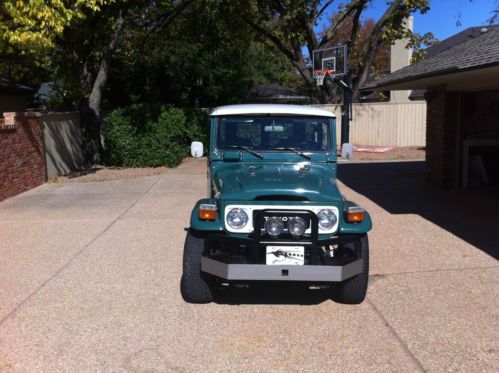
x=89 y=281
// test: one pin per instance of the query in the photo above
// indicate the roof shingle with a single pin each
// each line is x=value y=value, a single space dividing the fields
x=479 y=51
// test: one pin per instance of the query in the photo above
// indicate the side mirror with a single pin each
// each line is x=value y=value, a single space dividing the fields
x=197 y=149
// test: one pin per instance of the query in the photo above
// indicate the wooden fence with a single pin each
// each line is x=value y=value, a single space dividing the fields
x=384 y=123
x=63 y=142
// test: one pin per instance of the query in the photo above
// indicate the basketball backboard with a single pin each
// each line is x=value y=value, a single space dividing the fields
x=330 y=61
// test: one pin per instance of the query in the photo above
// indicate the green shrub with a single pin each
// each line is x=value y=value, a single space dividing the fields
x=152 y=135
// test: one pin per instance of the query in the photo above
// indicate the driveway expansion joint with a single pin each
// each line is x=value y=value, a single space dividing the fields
x=75 y=256
x=397 y=337
x=381 y=275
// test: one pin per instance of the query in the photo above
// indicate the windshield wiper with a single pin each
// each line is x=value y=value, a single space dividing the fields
x=293 y=150
x=246 y=148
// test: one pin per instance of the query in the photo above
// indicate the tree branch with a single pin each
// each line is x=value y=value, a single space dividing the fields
x=295 y=58
x=357 y=5
x=312 y=43
x=323 y=9
x=372 y=44
x=355 y=27
x=268 y=34
x=168 y=17
x=299 y=62
x=313 y=9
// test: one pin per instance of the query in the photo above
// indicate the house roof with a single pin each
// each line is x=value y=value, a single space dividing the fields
x=9 y=86
x=459 y=38
x=260 y=109
x=471 y=49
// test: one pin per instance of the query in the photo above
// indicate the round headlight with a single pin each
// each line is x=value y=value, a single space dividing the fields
x=297 y=226
x=237 y=218
x=274 y=226
x=327 y=219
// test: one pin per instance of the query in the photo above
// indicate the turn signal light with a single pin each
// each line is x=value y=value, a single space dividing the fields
x=207 y=212
x=355 y=214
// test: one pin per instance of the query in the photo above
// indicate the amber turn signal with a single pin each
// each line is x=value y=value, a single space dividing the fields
x=207 y=212
x=355 y=214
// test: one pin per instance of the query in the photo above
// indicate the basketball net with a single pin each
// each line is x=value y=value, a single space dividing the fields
x=320 y=75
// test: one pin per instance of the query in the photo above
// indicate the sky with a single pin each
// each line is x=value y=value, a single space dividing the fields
x=442 y=17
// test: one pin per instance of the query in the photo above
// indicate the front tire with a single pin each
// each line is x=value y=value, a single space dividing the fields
x=195 y=286
x=353 y=290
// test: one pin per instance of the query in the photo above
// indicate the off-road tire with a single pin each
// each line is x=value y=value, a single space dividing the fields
x=195 y=286
x=353 y=290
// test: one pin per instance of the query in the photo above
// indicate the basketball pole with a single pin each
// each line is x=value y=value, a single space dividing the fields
x=346 y=109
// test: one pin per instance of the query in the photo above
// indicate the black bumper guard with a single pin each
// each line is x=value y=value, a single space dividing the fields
x=263 y=272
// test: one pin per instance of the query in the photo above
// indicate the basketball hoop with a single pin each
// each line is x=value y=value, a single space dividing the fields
x=330 y=62
x=320 y=75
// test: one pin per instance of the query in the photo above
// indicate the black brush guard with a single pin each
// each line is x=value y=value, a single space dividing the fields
x=258 y=240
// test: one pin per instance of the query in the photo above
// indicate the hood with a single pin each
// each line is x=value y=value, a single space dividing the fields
x=257 y=181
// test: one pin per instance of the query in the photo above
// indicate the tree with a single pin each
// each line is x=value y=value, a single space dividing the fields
x=289 y=24
x=203 y=59
x=86 y=49
x=206 y=59
x=28 y=30
x=32 y=28
x=381 y=62
x=26 y=67
x=419 y=43
x=34 y=24
x=186 y=53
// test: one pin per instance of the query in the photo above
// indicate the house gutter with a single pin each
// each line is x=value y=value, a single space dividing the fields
x=432 y=74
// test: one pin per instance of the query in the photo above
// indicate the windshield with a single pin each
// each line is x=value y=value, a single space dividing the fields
x=277 y=133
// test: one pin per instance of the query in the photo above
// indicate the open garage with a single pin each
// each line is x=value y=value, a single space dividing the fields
x=462 y=93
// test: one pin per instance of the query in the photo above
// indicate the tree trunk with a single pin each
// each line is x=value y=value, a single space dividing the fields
x=92 y=145
x=95 y=98
x=90 y=111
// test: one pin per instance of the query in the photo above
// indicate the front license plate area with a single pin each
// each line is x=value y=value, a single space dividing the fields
x=285 y=255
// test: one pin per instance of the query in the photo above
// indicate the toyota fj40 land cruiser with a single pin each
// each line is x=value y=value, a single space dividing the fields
x=274 y=211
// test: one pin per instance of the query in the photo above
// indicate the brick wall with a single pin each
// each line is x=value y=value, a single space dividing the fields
x=22 y=154
x=442 y=156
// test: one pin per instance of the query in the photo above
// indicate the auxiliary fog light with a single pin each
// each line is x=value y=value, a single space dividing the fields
x=297 y=226
x=237 y=218
x=274 y=226
x=327 y=219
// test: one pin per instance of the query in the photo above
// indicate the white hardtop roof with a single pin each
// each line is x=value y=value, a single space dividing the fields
x=271 y=109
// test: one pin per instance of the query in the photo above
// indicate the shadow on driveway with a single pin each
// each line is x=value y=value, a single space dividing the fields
x=400 y=188
x=272 y=293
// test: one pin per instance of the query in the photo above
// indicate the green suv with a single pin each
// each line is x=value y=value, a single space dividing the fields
x=274 y=210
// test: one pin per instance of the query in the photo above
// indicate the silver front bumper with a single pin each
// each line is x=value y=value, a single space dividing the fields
x=262 y=272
